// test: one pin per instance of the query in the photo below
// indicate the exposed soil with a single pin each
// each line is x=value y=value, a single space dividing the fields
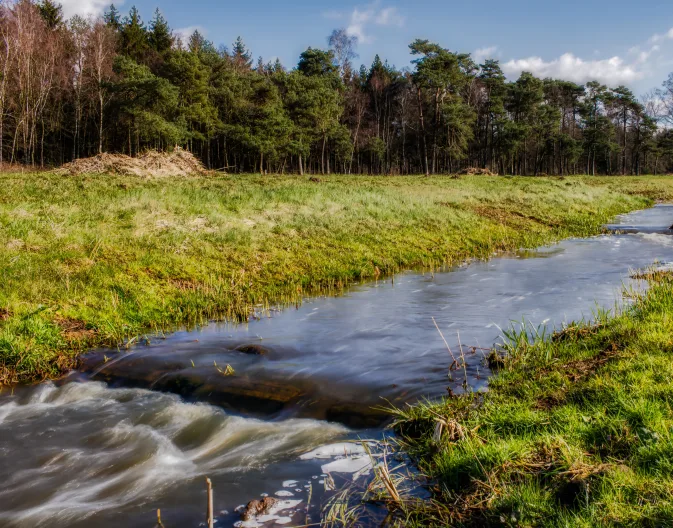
x=150 y=164
x=74 y=330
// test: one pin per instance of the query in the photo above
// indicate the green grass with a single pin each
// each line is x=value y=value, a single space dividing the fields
x=93 y=260
x=576 y=430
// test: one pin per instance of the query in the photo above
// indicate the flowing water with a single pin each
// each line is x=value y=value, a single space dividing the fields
x=139 y=430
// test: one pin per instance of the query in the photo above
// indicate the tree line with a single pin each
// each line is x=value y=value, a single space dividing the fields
x=74 y=88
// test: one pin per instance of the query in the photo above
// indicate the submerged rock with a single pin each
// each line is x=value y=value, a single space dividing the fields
x=257 y=388
x=258 y=507
x=253 y=350
x=237 y=393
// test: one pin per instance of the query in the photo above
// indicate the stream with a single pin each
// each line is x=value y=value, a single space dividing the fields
x=140 y=429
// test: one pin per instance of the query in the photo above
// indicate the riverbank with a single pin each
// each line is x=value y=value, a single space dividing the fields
x=575 y=429
x=90 y=260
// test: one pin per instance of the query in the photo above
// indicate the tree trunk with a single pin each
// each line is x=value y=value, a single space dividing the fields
x=624 y=149
x=100 y=125
x=422 y=123
x=42 y=147
x=355 y=141
x=322 y=154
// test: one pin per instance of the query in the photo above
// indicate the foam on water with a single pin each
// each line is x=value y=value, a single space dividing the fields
x=657 y=238
x=333 y=450
x=100 y=449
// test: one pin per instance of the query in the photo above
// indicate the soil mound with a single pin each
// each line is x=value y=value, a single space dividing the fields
x=150 y=164
x=477 y=171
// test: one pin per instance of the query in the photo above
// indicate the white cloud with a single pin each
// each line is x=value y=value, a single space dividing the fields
x=184 y=33
x=86 y=7
x=356 y=27
x=640 y=62
x=659 y=37
x=362 y=18
x=389 y=16
x=612 y=71
x=482 y=54
x=643 y=56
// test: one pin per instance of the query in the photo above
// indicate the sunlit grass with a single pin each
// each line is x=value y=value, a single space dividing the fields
x=92 y=260
x=576 y=428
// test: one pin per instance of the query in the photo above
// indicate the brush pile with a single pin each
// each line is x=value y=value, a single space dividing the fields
x=477 y=171
x=150 y=164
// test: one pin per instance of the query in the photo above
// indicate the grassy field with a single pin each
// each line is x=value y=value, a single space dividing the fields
x=91 y=260
x=575 y=431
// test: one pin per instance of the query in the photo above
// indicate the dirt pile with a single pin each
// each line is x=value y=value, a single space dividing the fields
x=150 y=164
x=477 y=171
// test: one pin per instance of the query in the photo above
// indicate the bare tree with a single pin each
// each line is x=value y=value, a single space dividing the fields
x=665 y=101
x=79 y=32
x=100 y=53
x=8 y=44
x=343 y=45
x=33 y=72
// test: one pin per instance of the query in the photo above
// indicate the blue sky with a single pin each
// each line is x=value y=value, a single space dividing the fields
x=616 y=42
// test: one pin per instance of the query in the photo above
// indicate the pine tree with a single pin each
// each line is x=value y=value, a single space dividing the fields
x=439 y=73
x=316 y=62
x=134 y=38
x=241 y=56
x=112 y=18
x=624 y=104
x=147 y=105
x=597 y=128
x=276 y=67
x=196 y=42
x=493 y=81
x=51 y=12
x=160 y=37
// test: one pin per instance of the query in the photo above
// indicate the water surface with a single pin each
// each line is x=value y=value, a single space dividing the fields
x=85 y=452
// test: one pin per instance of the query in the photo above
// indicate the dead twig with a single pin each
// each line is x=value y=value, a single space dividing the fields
x=447 y=344
x=159 y=523
x=209 y=513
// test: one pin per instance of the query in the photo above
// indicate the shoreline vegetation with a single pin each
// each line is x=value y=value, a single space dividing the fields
x=105 y=260
x=574 y=431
